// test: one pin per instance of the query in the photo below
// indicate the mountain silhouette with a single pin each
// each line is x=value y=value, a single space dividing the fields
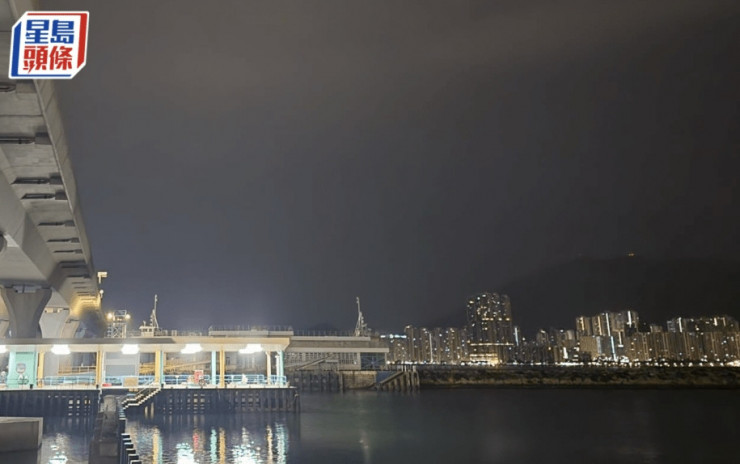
x=657 y=289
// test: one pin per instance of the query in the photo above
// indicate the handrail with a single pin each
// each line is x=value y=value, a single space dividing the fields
x=250 y=328
x=142 y=396
x=391 y=377
x=304 y=365
x=145 y=382
x=68 y=379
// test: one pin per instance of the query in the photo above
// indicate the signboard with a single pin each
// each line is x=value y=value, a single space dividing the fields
x=48 y=45
x=21 y=368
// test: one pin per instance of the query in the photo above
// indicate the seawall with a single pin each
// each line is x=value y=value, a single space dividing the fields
x=556 y=376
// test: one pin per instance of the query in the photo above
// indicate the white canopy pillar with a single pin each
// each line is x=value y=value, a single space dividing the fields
x=280 y=366
x=268 y=354
x=100 y=367
x=222 y=368
x=213 y=367
x=158 y=367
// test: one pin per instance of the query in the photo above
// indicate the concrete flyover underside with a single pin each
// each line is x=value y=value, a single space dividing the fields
x=45 y=258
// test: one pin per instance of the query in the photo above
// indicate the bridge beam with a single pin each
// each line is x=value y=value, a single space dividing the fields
x=25 y=304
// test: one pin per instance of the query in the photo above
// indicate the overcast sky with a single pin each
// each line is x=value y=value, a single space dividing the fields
x=266 y=162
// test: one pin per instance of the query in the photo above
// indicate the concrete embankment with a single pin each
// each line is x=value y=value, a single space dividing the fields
x=20 y=434
x=555 y=376
x=20 y=439
x=339 y=381
x=105 y=440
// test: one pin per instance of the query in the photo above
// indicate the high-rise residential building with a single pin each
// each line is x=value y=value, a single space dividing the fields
x=398 y=348
x=437 y=346
x=677 y=324
x=722 y=323
x=655 y=328
x=609 y=324
x=583 y=326
x=415 y=343
x=490 y=328
x=598 y=347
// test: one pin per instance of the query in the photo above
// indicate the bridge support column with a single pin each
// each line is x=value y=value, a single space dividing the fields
x=25 y=305
x=222 y=368
x=57 y=323
x=268 y=353
x=213 y=367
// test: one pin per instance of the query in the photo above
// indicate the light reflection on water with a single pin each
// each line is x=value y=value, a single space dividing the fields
x=213 y=439
x=471 y=426
x=66 y=440
x=465 y=426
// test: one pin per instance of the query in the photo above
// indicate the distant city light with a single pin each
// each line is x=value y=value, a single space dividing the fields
x=609 y=338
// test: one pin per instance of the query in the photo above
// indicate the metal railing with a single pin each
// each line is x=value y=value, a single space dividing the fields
x=323 y=333
x=229 y=379
x=137 y=381
x=127 y=380
x=144 y=395
x=67 y=380
x=249 y=328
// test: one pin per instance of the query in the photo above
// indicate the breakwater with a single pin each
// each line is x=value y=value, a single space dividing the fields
x=340 y=381
x=586 y=376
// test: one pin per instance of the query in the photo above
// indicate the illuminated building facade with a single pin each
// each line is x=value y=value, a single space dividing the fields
x=490 y=328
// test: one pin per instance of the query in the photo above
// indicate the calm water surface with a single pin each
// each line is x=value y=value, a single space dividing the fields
x=461 y=426
x=65 y=440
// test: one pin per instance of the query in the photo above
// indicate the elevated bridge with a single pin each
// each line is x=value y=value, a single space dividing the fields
x=46 y=269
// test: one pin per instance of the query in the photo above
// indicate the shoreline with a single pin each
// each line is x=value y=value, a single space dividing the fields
x=605 y=386
x=725 y=378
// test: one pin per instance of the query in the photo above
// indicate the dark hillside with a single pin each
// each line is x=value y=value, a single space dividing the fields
x=656 y=289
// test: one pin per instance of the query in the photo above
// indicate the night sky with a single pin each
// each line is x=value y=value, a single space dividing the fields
x=266 y=162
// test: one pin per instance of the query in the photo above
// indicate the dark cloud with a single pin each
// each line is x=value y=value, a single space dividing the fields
x=268 y=161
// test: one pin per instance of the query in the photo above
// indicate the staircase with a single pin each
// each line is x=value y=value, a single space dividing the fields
x=306 y=365
x=143 y=395
x=403 y=381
